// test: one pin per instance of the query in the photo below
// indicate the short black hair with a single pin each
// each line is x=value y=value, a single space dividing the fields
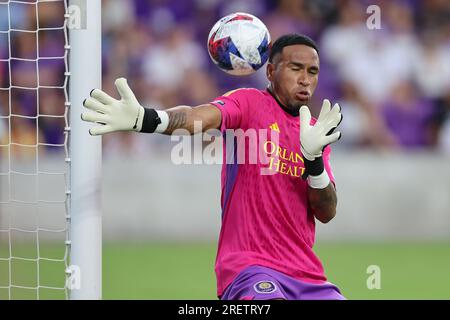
x=290 y=40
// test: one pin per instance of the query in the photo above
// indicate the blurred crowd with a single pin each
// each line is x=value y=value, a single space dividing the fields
x=32 y=78
x=393 y=83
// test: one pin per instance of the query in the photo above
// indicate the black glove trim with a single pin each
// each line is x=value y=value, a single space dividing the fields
x=313 y=168
x=150 y=121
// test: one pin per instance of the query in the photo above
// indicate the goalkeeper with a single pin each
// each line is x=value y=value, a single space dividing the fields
x=265 y=248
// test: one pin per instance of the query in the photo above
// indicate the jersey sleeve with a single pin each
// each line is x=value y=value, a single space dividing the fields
x=234 y=108
x=326 y=161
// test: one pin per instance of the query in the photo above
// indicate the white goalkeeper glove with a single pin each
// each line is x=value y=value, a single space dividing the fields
x=314 y=138
x=118 y=115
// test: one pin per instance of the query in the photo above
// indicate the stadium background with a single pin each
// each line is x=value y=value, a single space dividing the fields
x=161 y=220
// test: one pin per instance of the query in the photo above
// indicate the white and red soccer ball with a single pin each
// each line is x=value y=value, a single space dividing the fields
x=239 y=44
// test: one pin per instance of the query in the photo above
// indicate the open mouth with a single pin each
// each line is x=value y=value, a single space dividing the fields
x=302 y=95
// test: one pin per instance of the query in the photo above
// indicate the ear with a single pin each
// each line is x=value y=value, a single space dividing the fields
x=270 y=70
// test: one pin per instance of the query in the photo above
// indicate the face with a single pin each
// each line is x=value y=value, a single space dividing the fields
x=294 y=75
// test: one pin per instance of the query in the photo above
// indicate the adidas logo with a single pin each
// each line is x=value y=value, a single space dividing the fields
x=275 y=127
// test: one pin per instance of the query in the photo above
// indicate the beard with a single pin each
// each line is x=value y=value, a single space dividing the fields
x=295 y=104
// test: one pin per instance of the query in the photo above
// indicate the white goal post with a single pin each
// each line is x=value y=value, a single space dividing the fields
x=85 y=152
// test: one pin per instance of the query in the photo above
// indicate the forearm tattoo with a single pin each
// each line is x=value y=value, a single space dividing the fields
x=323 y=201
x=177 y=120
x=323 y=197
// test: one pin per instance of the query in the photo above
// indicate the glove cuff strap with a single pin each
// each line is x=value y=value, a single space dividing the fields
x=314 y=167
x=315 y=173
x=150 y=121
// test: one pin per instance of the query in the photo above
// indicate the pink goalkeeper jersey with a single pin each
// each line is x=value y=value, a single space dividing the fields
x=265 y=218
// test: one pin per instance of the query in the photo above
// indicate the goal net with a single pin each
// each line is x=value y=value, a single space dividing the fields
x=34 y=154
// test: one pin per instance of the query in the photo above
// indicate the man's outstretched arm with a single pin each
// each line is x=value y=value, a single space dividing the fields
x=184 y=117
x=128 y=115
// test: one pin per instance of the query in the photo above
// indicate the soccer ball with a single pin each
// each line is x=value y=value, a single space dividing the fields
x=239 y=44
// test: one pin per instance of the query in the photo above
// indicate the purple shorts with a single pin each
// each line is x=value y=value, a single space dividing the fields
x=261 y=283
